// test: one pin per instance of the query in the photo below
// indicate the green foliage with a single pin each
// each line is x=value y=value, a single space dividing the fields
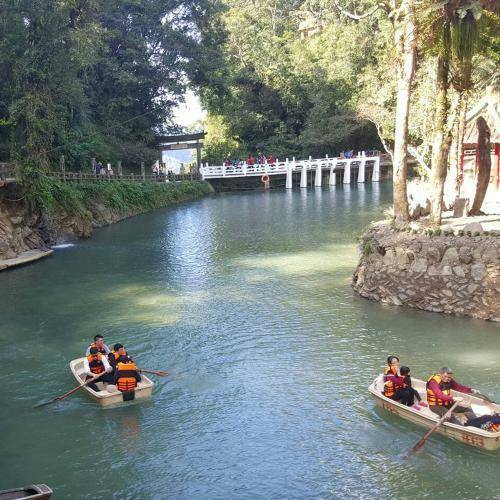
x=92 y=79
x=368 y=245
x=283 y=94
x=52 y=196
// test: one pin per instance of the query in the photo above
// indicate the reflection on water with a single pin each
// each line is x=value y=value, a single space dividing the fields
x=245 y=300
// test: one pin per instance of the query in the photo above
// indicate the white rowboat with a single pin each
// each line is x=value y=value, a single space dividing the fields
x=426 y=418
x=109 y=395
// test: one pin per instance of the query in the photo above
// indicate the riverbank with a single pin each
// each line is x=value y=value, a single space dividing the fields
x=54 y=212
x=447 y=271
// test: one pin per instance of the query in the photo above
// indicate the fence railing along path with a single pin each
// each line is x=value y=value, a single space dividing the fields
x=9 y=174
x=90 y=176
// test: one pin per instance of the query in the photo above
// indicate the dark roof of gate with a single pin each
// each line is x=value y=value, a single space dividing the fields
x=166 y=139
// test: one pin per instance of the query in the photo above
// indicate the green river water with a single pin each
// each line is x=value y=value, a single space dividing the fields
x=245 y=299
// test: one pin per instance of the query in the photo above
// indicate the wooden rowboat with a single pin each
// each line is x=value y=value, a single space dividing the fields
x=109 y=395
x=426 y=418
x=33 y=491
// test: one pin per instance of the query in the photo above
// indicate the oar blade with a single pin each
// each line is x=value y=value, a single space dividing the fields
x=45 y=403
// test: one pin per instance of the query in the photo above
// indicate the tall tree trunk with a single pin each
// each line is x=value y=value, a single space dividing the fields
x=462 y=112
x=405 y=44
x=441 y=137
x=484 y=165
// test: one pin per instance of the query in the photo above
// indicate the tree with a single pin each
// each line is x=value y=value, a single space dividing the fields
x=483 y=165
x=87 y=78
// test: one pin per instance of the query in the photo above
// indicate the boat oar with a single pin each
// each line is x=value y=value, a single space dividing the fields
x=483 y=397
x=65 y=395
x=426 y=437
x=154 y=372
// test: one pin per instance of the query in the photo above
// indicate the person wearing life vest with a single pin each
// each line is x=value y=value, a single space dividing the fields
x=126 y=375
x=439 y=398
x=99 y=343
x=96 y=366
x=393 y=381
x=489 y=423
x=114 y=355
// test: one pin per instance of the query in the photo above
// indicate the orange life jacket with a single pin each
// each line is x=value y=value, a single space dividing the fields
x=96 y=365
x=495 y=428
x=126 y=380
x=116 y=355
x=390 y=387
x=432 y=399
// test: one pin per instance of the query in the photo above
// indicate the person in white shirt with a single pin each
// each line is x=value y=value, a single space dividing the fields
x=99 y=343
x=96 y=366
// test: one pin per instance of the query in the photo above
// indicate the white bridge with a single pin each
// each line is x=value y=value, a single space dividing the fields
x=330 y=165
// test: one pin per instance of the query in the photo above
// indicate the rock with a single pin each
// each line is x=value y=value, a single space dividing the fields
x=478 y=271
x=450 y=257
x=446 y=271
x=395 y=300
x=460 y=207
x=472 y=287
x=419 y=266
x=402 y=258
x=433 y=255
x=16 y=220
x=448 y=293
x=389 y=257
x=489 y=256
x=433 y=271
x=465 y=255
x=473 y=227
x=459 y=271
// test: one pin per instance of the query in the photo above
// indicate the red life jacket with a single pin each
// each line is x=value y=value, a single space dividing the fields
x=126 y=379
x=445 y=387
x=390 y=387
x=95 y=364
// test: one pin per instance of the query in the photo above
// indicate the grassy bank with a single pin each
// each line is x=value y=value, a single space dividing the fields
x=123 y=197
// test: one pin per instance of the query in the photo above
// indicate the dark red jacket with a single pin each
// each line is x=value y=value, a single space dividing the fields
x=434 y=387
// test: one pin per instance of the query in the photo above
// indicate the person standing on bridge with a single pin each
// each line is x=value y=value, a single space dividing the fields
x=250 y=159
x=271 y=160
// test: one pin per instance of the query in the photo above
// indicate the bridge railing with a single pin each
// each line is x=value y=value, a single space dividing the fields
x=280 y=167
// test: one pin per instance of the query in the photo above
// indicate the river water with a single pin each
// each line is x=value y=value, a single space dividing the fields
x=245 y=299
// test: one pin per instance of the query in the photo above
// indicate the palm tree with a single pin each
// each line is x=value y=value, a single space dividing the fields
x=457 y=42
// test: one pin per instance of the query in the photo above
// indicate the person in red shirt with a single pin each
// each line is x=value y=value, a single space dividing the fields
x=250 y=159
x=271 y=160
x=439 y=397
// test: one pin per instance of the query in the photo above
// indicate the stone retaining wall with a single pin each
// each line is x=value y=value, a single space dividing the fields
x=450 y=274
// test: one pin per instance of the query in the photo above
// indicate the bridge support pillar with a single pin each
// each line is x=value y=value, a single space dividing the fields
x=361 y=171
x=376 y=170
x=289 y=180
x=332 y=180
x=347 y=172
x=303 y=176
x=317 y=179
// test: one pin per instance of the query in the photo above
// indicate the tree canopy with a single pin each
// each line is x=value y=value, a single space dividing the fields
x=86 y=78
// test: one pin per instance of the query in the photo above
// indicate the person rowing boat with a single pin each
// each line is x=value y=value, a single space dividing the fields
x=96 y=365
x=439 y=387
